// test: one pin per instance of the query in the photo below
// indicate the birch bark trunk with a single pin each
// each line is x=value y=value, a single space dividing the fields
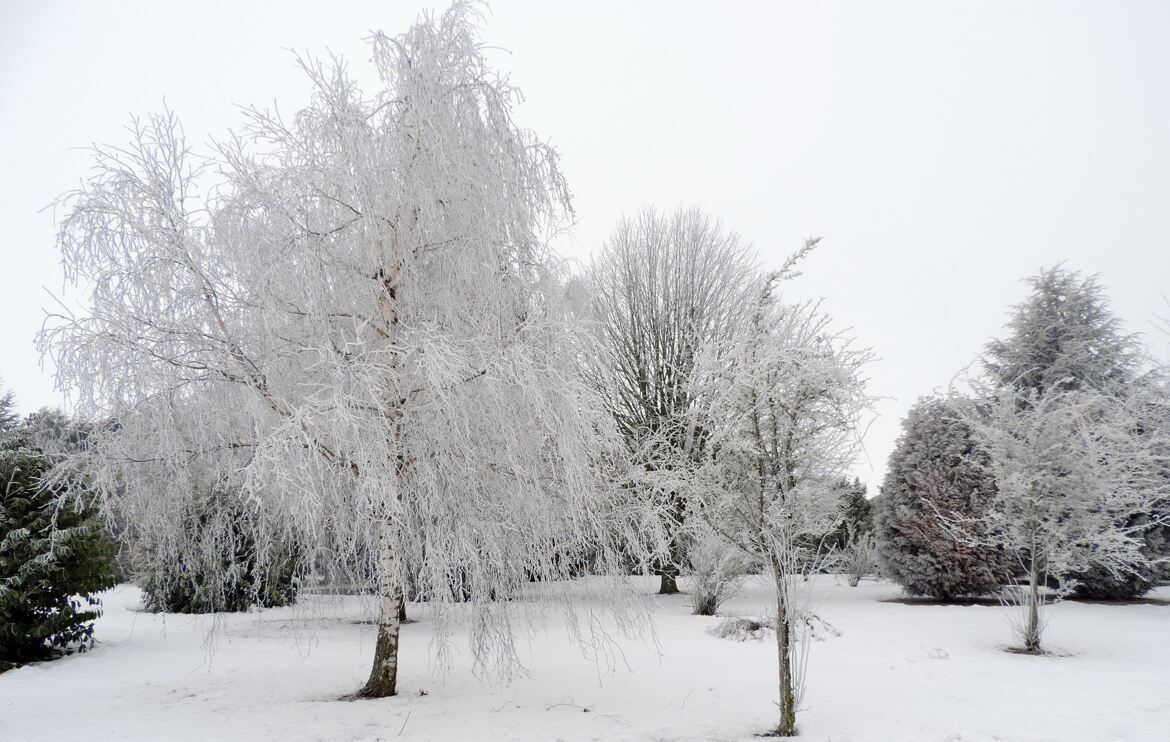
x=383 y=679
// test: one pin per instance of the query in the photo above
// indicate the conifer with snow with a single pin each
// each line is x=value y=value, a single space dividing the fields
x=1065 y=337
x=1074 y=470
x=936 y=472
x=54 y=555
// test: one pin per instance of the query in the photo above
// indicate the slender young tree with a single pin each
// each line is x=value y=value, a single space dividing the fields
x=664 y=286
x=781 y=403
x=1073 y=469
x=1064 y=337
x=363 y=332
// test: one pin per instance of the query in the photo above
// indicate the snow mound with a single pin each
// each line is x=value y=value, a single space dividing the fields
x=743 y=628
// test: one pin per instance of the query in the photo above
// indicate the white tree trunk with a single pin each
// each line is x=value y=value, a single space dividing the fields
x=384 y=674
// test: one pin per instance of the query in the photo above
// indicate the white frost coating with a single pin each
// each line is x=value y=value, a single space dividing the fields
x=1079 y=477
x=780 y=405
x=663 y=287
x=360 y=330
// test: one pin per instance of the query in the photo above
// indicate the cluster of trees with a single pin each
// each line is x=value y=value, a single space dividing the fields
x=57 y=552
x=360 y=339
x=1051 y=478
x=356 y=360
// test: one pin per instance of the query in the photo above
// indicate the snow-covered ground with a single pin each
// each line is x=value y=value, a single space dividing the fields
x=897 y=672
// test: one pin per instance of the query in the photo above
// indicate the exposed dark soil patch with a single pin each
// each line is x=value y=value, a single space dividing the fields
x=1128 y=601
x=995 y=601
x=936 y=601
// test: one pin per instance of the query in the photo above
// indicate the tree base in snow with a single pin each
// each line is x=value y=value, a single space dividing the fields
x=1024 y=650
x=668 y=585
x=778 y=733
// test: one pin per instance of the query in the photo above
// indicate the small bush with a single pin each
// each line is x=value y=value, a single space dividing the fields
x=717 y=571
x=740 y=629
x=860 y=558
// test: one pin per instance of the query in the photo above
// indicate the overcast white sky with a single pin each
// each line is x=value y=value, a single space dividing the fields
x=943 y=150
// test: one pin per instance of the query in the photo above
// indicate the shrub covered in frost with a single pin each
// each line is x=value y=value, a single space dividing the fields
x=860 y=558
x=225 y=573
x=1099 y=583
x=717 y=572
x=933 y=478
x=740 y=628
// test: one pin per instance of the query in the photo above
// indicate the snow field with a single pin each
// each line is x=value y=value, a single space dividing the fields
x=913 y=673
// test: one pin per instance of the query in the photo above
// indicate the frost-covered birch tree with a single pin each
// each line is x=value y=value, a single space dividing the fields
x=782 y=403
x=1073 y=470
x=664 y=286
x=361 y=330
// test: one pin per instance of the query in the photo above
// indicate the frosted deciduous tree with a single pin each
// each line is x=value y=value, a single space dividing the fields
x=363 y=332
x=664 y=285
x=1064 y=336
x=937 y=472
x=1073 y=469
x=781 y=402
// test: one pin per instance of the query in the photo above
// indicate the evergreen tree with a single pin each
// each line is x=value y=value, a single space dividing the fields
x=8 y=416
x=221 y=570
x=1064 y=337
x=934 y=477
x=54 y=558
x=856 y=514
x=853 y=540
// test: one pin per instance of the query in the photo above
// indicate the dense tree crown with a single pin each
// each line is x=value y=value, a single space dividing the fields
x=665 y=286
x=856 y=513
x=1063 y=337
x=362 y=331
x=936 y=473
